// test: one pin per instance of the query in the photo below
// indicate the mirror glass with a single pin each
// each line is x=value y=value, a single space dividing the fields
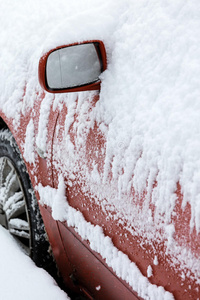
x=73 y=66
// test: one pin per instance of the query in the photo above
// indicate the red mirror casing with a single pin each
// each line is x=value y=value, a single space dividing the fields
x=88 y=87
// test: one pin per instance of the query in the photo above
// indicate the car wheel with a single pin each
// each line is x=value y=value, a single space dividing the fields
x=19 y=211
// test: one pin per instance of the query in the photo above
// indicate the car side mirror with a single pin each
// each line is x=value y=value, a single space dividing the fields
x=73 y=68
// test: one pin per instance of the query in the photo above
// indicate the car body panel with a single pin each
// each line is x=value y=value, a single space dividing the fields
x=91 y=273
x=129 y=242
x=64 y=128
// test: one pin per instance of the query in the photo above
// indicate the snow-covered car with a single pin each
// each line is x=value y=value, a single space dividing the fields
x=99 y=145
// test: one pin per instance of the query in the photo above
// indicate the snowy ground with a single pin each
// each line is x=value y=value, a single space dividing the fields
x=20 y=279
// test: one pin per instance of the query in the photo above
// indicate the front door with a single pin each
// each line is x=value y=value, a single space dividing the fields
x=79 y=155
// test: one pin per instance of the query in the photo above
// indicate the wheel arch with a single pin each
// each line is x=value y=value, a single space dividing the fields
x=3 y=124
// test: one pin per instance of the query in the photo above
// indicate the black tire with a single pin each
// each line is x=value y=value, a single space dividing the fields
x=18 y=204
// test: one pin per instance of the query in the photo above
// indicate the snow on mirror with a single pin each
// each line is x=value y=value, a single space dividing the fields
x=73 y=66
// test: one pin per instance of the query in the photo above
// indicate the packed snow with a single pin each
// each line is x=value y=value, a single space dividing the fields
x=20 y=279
x=29 y=154
x=148 y=109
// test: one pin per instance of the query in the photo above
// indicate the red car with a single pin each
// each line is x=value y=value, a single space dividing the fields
x=54 y=169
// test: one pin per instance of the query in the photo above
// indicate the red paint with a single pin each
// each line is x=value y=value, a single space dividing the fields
x=91 y=271
x=88 y=87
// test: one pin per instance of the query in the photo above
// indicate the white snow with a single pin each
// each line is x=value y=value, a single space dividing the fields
x=155 y=261
x=148 y=110
x=41 y=139
x=149 y=271
x=170 y=230
x=98 y=288
x=20 y=279
x=29 y=147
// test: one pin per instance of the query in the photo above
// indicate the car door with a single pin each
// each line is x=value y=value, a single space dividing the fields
x=79 y=155
x=100 y=244
x=77 y=158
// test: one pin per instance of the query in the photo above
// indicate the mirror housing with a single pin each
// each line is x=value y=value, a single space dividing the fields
x=73 y=68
